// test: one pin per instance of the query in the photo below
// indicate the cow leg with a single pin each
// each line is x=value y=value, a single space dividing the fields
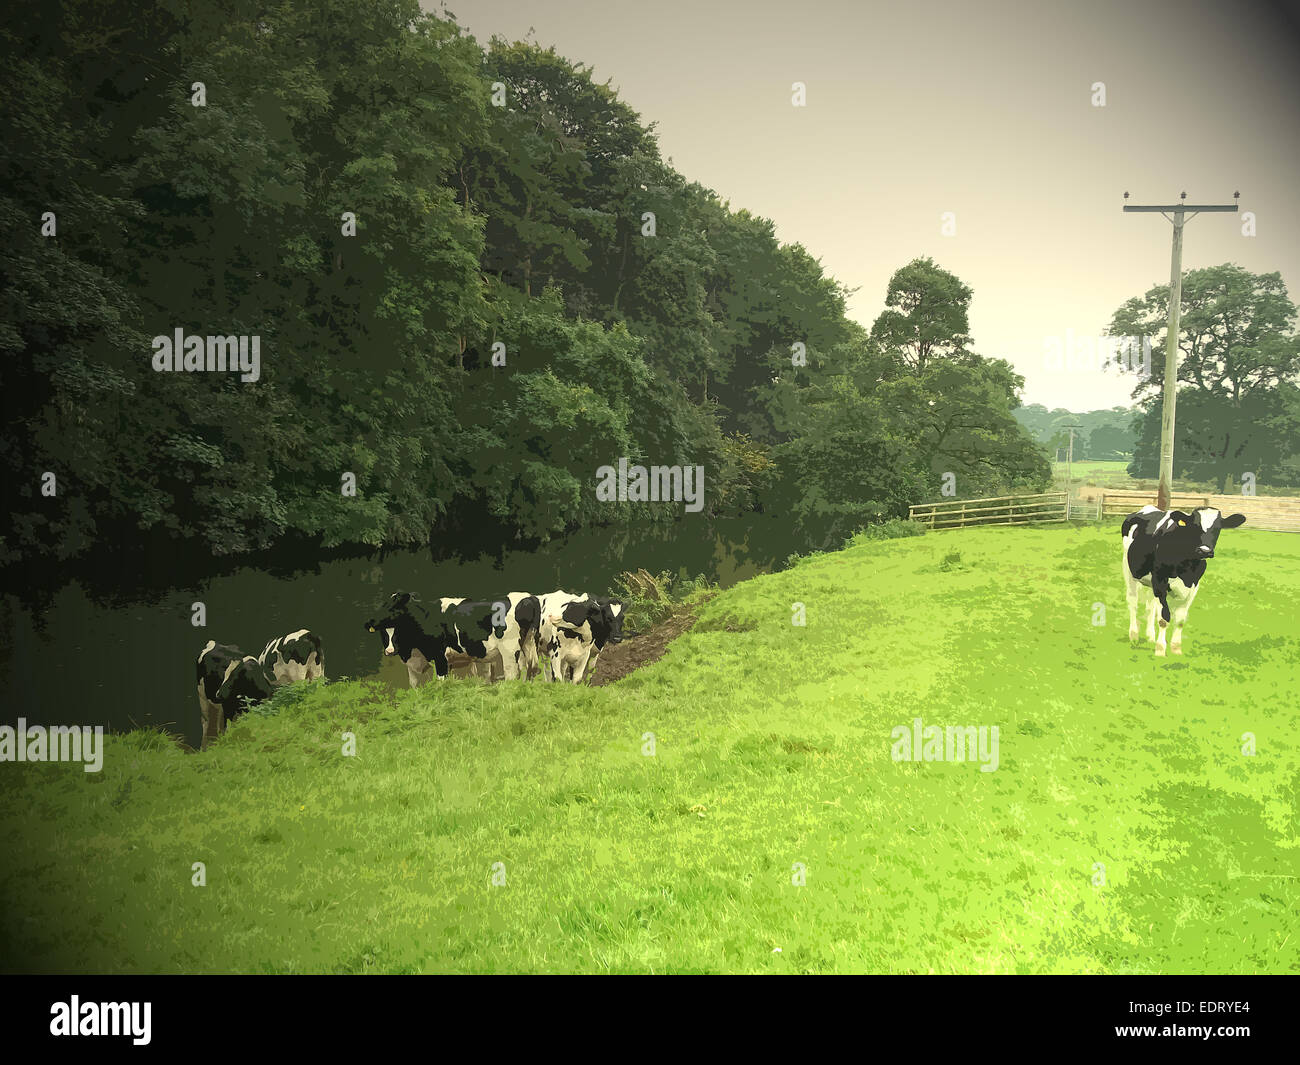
x=1181 y=607
x=509 y=650
x=440 y=665
x=528 y=656
x=1153 y=609
x=1133 y=592
x=213 y=723
x=1160 y=588
x=417 y=669
x=580 y=667
x=209 y=717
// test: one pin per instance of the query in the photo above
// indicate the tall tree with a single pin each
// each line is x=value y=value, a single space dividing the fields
x=925 y=316
x=1238 y=351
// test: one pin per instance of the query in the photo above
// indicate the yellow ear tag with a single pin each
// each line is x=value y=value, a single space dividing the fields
x=1181 y=522
x=371 y=628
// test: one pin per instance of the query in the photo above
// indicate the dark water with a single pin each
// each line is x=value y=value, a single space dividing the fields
x=127 y=659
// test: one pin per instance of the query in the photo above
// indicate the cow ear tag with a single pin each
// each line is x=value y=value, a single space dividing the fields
x=1180 y=522
x=371 y=628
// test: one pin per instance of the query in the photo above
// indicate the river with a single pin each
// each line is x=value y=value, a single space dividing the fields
x=128 y=659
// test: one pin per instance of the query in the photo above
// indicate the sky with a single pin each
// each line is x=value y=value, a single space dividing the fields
x=982 y=109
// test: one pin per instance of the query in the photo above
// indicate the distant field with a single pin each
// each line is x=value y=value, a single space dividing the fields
x=1124 y=829
x=1087 y=477
x=1099 y=473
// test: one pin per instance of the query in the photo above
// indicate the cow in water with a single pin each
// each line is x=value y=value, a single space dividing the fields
x=1166 y=551
x=298 y=656
x=229 y=681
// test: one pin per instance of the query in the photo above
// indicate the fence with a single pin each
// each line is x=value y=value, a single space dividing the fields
x=1271 y=513
x=995 y=510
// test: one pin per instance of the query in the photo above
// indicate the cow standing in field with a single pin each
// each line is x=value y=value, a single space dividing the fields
x=228 y=682
x=575 y=629
x=1166 y=551
x=502 y=629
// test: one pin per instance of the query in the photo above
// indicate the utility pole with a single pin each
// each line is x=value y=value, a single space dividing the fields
x=1069 y=467
x=1182 y=211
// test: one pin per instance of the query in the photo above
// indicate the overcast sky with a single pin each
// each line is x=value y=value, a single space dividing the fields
x=980 y=108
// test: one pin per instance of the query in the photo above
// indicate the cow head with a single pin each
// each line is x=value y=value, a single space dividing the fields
x=612 y=618
x=1201 y=528
x=393 y=614
x=602 y=615
x=247 y=681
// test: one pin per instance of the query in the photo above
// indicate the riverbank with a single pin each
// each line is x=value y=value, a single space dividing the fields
x=737 y=804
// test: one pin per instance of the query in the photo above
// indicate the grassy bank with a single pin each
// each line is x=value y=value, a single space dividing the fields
x=771 y=747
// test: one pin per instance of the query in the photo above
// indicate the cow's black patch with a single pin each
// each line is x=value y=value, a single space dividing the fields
x=1173 y=544
x=248 y=684
x=212 y=666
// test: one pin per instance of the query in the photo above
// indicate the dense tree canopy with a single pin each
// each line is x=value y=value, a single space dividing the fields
x=473 y=279
x=1106 y=435
x=1238 y=405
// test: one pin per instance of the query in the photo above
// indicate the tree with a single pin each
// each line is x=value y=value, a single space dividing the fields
x=925 y=315
x=1109 y=443
x=1238 y=353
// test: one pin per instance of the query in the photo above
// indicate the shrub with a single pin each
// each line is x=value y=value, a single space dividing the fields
x=893 y=529
x=649 y=598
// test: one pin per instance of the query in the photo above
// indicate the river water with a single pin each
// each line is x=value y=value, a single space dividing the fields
x=128 y=659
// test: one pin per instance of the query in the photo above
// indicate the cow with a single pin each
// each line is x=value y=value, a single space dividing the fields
x=1166 y=551
x=498 y=631
x=298 y=656
x=229 y=681
x=575 y=629
x=421 y=634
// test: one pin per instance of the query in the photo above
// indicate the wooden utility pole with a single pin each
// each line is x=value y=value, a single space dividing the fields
x=1069 y=467
x=1182 y=211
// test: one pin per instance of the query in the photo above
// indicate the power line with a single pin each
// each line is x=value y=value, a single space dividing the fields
x=1181 y=211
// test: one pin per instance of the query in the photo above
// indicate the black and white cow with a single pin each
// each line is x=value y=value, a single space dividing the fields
x=575 y=629
x=228 y=682
x=1166 y=552
x=298 y=656
x=502 y=629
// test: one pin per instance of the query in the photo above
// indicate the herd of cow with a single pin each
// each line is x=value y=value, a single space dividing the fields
x=1165 y=552
x=507 y=637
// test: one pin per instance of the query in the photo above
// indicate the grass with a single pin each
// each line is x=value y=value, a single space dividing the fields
x=771 y=747
x=1102 y=474
x=1114 y=475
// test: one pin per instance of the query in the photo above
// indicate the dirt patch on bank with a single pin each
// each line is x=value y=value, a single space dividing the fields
x=620 y=659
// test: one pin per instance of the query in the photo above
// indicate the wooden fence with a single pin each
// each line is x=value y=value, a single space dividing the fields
x=995 y=510
x=1271 y=513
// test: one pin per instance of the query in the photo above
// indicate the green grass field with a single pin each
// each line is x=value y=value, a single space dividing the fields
x=772 y=747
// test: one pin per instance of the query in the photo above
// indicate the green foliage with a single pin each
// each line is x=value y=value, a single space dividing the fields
x=1238 y=403
x=925 y=316
x=893 y=529
x=648 y=598
x=476 y=225
x=1102 y=436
